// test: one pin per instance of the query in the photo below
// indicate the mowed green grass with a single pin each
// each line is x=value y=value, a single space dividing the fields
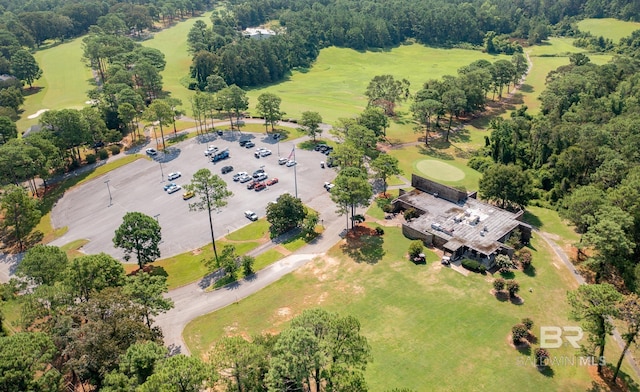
x=64 y=83
x=430 y=328
x=173 y=43
x=613 y=29
x=546 y=58
x=334 y=86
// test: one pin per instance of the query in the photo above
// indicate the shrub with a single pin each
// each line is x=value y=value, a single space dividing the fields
x=415 y=248
x=473 y=265
x=518 y=333
x=103 y=154
x=498 y=284
x=91 y=158
x=410 y=213
x=542 y=357
x=513 y=287
x=379 y=230
x=383 y=202
x=515 y=239
x=527 y=323
x=115 y=149
x=247 y=265
x=524 y=257
x=504 y=263
x=388 y=208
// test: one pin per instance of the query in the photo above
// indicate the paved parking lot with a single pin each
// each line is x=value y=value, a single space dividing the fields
x=138 y=186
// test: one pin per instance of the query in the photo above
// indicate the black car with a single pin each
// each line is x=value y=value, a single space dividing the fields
x=226 y=169
x=219 y=132
x=243 y=142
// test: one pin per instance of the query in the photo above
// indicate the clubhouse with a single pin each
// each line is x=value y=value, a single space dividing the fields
x=459 y=224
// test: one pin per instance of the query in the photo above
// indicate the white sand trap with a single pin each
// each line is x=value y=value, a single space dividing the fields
x=91 y=102
x=37 y=114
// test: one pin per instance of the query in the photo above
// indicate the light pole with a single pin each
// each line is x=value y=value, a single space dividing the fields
x=161 y=172
x=156 y=216
x=109 y=190
x=322 y=223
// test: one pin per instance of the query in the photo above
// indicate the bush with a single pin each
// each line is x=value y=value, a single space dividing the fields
x=473 y=265
x=103 y=154
x=542 y=357
x=388 y=208
x=513 y=287
x=410 y=213
x=498 y=284
x=91 y=158
x=518 y=333
x=383 y=202
x=527 y=323
x=247 y=265
x=524 y=257
x=115 y=149
x=379 y=230
x=504 y=263
x=415 y=248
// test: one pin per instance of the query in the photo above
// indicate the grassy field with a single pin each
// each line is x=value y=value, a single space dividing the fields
x=613 y=29
x=64 y=83
x=424 y=323
x=173 y=43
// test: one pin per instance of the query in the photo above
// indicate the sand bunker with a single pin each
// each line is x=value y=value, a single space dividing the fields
x=37 y=114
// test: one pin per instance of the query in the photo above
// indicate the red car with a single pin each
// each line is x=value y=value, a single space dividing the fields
x=259 y=186
x=252 y=184
x=272 y=181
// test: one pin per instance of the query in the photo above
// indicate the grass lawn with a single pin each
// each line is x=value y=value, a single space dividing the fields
x=173 y=43
x=549 y=221
x=613 y=29
x=424 y=323
x=64 y=83
x=266 y=258
x=334 y=86
x=71 y=249
x=253 y=231
x=412 y=156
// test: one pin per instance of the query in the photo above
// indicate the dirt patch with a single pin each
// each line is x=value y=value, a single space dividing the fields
x=284 y=312
x=324 y=268
x=231 y=329
x=196 y=252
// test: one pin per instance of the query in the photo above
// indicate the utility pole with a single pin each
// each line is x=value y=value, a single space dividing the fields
x=109 y=190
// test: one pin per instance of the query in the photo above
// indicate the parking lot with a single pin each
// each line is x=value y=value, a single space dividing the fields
x=94 y=210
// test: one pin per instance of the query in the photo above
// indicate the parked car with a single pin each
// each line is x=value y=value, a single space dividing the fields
x=236 y=177
x=243 y=142
x=226 y=169
x=262 y=177
x=282 y=161
x=249 y=144
x=174 y=189
x=151 y=151
x=257 y=172
x=259 y=186
x=272 y=181
x=291 y=163
x=245 y=178
x=188 y=195
x=328 y=186
x=252 y=184
x=174 y=175
x=319 y=147
x=265 y=153
x=169 y=185
x=219 y=132
x=276 y=136
x=251 y=215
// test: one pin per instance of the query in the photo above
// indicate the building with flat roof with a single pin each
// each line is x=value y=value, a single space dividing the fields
x=459 y=224
x=258 y=33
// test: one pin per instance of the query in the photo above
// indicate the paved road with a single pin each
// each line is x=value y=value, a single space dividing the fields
x=192 y=301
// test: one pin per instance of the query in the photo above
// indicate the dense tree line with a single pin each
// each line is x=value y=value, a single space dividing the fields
x=580 y=155
x=306 y=27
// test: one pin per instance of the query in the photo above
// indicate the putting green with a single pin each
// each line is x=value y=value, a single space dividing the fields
x=439 y=170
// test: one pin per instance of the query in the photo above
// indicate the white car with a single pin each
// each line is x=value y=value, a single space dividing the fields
x=328 y=186
x=174 y=175
x=174 y=189
x=261 y=177
x=283 y=160
x=265 y=153
x=151 y=151
x=245 y=178
x=291 y=163
x=251 y=215
x=236 y=177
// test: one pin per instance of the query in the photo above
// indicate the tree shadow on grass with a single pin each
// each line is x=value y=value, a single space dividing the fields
x=363 y=245
x=532 y=219
x=546 y=371
x=530 y=271
x=507 y=274
x=433 y=151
